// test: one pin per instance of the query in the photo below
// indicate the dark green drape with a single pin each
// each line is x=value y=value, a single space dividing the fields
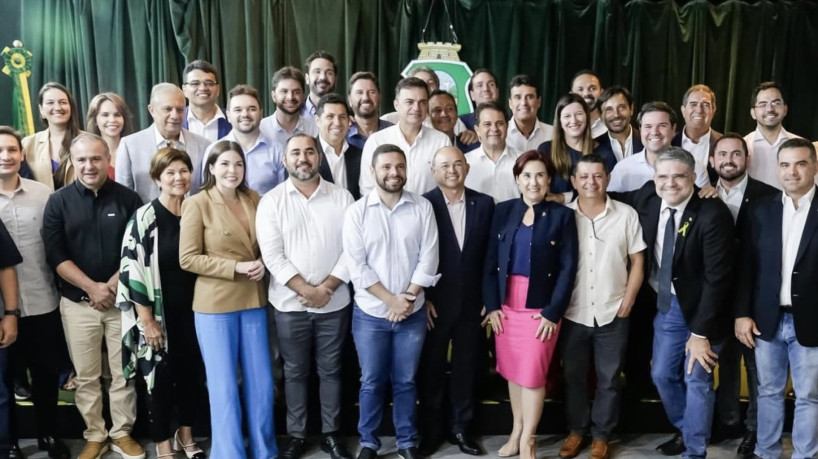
x=656 y=48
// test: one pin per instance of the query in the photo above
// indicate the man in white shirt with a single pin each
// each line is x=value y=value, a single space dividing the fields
x=586 y=84
x=340 y=161
x=288 y=96
x=769 y=109
x=417 y=141
x=525 y=131
x=203 y=115
x=697 y=136
x=391 y=245
x=322 y=70
x=616 y=104
x=301 y=245
x=595 y=329
x=491 y=165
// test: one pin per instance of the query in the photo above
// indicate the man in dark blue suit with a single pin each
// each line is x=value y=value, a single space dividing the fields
x=616 y=107
x=689 y=265
x=776 y=301
x=341 y=162
x=203 y=115
x=454 y=305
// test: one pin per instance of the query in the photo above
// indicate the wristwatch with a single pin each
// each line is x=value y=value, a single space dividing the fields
x=11 y=312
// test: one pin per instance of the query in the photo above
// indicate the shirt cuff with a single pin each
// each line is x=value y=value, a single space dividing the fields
x=698 y=336
x=283 y=275
x=423 y=279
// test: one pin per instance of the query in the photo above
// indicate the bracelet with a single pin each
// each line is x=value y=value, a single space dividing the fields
x=11 y=312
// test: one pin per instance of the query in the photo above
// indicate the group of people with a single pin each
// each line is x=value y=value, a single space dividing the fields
x=221 y=252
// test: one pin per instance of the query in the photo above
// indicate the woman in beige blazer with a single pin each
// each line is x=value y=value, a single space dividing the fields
x=47 y=152
x=217 y=241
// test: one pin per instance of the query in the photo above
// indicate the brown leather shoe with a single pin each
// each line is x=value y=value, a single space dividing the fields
x=93 y=450
x=571 y=446
x=599 y=450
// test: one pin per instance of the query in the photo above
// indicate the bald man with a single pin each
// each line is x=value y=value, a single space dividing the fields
x=463 y=219
x=133 y=158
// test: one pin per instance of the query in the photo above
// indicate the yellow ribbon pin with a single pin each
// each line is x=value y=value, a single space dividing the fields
x=683 y=229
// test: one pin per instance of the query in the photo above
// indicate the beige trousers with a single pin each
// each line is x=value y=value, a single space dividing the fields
x=85 y=329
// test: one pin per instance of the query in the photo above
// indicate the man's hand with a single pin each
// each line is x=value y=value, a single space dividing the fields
x=744 y=329
x=708 y=191
x=469 y=137
x=400 y=307
x=8 y=331
x=625 y=309
x=431 y=315
x=699 y=351
x=316 y=297
x=100 y=295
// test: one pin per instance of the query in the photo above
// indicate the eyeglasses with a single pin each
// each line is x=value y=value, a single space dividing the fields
x=197 y=83
x=774 y=104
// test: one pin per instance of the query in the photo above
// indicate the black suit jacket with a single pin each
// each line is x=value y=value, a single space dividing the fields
x=759 y=277
x=458 y=293
x=702 y=258
x=755 y=191
x=352 y=161
x=636 y=139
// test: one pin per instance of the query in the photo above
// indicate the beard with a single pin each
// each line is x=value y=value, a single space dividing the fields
x=391 y=188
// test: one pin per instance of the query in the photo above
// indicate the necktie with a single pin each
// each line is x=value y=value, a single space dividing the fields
x=666 y=268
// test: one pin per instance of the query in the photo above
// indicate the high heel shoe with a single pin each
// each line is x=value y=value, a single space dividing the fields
x=179 y=447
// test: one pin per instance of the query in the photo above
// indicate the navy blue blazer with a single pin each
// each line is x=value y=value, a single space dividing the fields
x=224 y=125
x=758 y=284
x=469 y=120
x=554 y=256
x=561 y=184
x=352 y=163
x=458 y=293
x=636 y=141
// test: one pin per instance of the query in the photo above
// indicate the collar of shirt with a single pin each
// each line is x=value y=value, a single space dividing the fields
x=485 y=156
x=261 y=142
x=804 y=202
x=374 y=199
x=192 y=117
x=161 y=142
x=320 y=190
x=609 y=207
x=680 y=208
x=21 y=186
x=299 y=127
x=459 y=201
x=740 y=188
x=309 y=107
x=782 y=136
x=85 y=191
x=704 y=140
x=328 y=148
x=628 y=141
x=512 y=127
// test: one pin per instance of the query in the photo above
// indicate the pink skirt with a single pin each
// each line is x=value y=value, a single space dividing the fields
x=522 y=358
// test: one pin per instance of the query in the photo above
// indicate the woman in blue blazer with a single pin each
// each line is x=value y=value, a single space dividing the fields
x=531 y=262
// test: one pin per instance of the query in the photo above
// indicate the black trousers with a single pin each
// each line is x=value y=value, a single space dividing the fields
x=41 y=348
x=465 y=336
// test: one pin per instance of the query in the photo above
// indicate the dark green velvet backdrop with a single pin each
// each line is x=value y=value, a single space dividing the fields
x=657 y=48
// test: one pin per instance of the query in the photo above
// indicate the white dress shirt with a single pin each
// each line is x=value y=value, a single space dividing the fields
x=275 y=132
x=792 y=229
x=617 y=148
x=210 y=131
x=700 y=151
x=634 y=171
x=734 y=196
x=22 y=213
x=300 y=235
x=493 y=179
x=419 y=156
x=162 y=142
x=664 y=214
x=763 y=158
x=457 y=214
x=605 y=242
x=515 y=139
x=598 y=128
x=394 y=118
x=395 y=247
x=336 y=163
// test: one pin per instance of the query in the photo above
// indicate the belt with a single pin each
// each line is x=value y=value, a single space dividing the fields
x=785 y=308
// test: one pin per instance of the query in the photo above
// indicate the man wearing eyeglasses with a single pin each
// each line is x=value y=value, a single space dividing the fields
x=768 y=108
x=203 y=115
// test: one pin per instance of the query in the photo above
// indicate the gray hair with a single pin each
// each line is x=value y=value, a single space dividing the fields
x=678 y=154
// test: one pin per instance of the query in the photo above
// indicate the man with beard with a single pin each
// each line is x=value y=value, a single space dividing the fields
x=203 y=115
x=340 y=162
x=417 y=141
x=586 y=84
x=391 y=242
x=288 y=96
x=301 y=245
x=321 y=70
x=364 y=98
x=443 y=114
x=768 y=108
x=616 y=104
x=262 y=157
x=482 y=89
x=739 y=191
x=697 y=137
x=525 y=131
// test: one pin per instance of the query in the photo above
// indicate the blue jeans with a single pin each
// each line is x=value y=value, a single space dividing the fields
x=5 y=440
x=688 y=399
x=772 y=359
x=388 y=351
x=229 y=341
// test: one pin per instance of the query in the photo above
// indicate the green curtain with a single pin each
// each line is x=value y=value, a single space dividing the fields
x=656 y=48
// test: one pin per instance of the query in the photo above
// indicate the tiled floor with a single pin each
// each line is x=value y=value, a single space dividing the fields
x=639 y=447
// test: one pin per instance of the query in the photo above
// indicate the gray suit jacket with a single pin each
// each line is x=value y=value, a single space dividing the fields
x=133 y=161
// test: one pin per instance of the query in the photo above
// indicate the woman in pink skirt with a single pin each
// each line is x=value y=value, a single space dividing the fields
x=531 y=262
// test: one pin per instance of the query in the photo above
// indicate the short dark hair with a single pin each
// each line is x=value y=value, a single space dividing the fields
x=613 y=91
x=478 y=72
x=533 y=155
x=300 y=135
x=763 y=87
x=798 y=143
x=488 y=106
x=320 y=54
x=585 y=72
x=162 y=159
x=243 y=90
x=730 y=135
x=289 y=73
x=332 y=99
x=218 y=148
x=410 y=82
x=386 y=148
x=199 y=64
x=523 y=80
x=362 y=76
x=8 y=130
x=697 y=88
x=657 y=106
x=590 y=158
x=440 y=92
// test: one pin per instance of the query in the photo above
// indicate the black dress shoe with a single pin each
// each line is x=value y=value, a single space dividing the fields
x=430 y=444
x=466 y=444
x=367 y=453
x=332 y=446
x=723 y=432
x=295 y=449
x=409 y=453
x=747 y=445
x=15 y=452
x=56 y=449
x=673 y=447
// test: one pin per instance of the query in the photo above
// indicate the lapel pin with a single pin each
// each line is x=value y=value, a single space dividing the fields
x=553 y=242
x=544 y=213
